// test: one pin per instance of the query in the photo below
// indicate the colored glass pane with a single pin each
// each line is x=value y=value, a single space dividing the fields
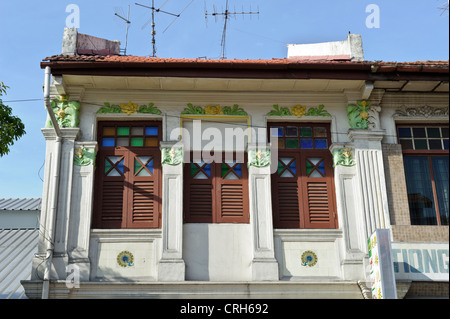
x=277 y=131
x=207 y=169
x=151 y=131
x=109 y=131
x=445 y=144
x=321 y=144
x=305 y=131
x=137 y=166
x=238 y=170
x=306 y=143
x=292 y=143
x=433 y=132
x=280 y=167
x=120 y=166
x=420 y=144
x=108 y=142
x=151 y=142
x=225 y=169
x=137 y=141
x=123 y=141
x=137 y=131
x=320 y=132
x=194 y=169
x=107 y=166
x=286 y=161
x=404 y=132
x=291 y=131
x=309 y=167
x=123 y=131
x=281 y=144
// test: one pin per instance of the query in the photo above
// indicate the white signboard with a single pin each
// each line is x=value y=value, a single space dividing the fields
x=381 y=264
x=421 y=261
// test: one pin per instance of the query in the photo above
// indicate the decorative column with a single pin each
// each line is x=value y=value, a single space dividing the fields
x=371 y=178
x=350 y=220
x=81 y=204
x=171 y=266
x=264 y=264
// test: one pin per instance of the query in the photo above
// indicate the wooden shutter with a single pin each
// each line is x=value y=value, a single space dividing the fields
x=143 y=191
x=198 y=193
x=216 y=199
x=232 y=196
x=285 y=190
x=110 y=186
x=318 y=191
x=126 y=195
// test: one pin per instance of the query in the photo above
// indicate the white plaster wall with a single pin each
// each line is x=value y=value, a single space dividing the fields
x=217 y=252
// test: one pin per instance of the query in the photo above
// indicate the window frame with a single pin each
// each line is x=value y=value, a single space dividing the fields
x=302 y=180
x=429 y=154
x=128 y=177
x=215 y=182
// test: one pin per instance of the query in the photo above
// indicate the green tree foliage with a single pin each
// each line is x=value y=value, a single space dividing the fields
x=11 y=127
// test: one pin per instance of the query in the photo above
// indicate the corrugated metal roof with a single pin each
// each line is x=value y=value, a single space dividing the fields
x=17 y=248
x=20 y=204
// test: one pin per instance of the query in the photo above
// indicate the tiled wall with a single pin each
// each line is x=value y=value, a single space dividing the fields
x=402 y=229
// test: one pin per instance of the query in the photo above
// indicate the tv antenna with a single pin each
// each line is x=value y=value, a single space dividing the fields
x=227 y=14
x=128 y=22
x=152 y=19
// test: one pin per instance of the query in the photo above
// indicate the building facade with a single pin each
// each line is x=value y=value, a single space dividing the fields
x=191 y=178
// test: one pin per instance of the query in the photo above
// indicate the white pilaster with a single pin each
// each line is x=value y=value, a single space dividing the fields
x=264 y=264
x=171 y=266
x=371 y=179
x=81 y=205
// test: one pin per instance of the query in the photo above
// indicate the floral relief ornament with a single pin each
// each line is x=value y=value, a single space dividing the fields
x=343 y=157
x=259 y=158
x=172 y=156
x=67 y=112
x=84 y=157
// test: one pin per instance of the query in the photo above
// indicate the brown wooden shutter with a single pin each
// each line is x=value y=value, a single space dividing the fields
x=319 y=208
x=110 y=185
x=143 y=189
x=232 y=194
x=285 y=190
x=198 y=193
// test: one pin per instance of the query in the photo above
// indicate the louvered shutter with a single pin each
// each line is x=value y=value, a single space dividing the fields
x=143 y=191
x=286 y=196
x=198 y=194
x=232 y=193
x=110 y=201
x=317 y=190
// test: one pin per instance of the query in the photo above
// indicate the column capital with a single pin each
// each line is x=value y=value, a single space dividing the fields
x=66 y=133
x=366 y=135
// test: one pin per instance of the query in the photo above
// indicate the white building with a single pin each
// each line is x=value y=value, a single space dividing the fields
x=135 y=213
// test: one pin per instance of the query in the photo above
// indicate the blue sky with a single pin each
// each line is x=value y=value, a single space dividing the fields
x=410 y=30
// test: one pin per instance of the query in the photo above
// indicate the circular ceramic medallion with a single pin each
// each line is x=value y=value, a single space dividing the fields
x=309 y=259
x=125 y=259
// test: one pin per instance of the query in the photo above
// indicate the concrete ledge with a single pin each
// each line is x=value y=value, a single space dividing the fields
x=198 y=290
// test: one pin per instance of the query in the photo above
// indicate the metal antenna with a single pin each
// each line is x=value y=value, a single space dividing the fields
x=128 y=22
x=227 y=15
x=155 y=10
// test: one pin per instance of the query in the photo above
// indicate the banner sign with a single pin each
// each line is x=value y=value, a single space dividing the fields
x=381 y=265
x=421 y=261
